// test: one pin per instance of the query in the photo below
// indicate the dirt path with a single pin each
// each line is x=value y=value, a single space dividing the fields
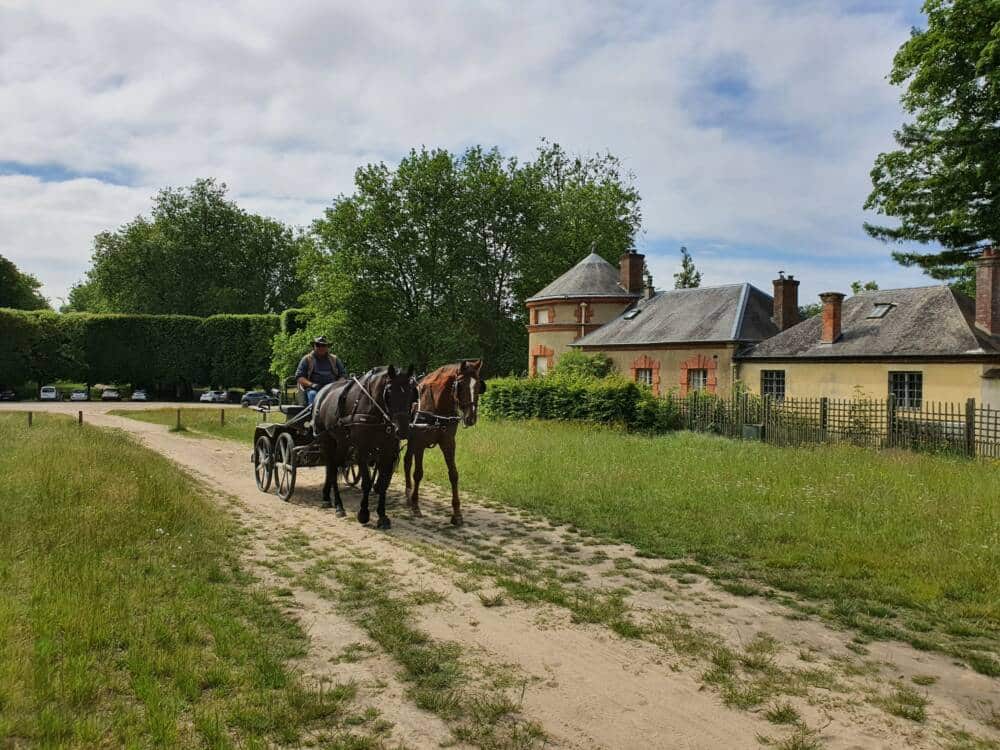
x=710 y=669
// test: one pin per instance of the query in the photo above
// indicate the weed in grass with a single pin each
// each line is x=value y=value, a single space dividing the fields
x=983 y=663
x=468 y=584
x=495 y=599
x=739 y=588
x=425 y=596
x=904 y=702
x=801 y=739
x=782 y=713
x=923 y=679
x=962 y=740
x=354 y=652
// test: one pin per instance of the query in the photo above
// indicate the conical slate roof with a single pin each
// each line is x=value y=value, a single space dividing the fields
x=591 y=277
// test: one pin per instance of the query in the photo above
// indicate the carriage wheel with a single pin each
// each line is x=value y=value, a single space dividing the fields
x=352 y=474
x=263 y=463
x=284 y=466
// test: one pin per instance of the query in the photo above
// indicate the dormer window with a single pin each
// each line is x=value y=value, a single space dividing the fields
x=632 y=313
x=543 y=316
x=881 y=309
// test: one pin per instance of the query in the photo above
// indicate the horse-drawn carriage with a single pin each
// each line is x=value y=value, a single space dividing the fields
x=356 y=427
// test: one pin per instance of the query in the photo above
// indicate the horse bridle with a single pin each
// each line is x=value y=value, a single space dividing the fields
x=390 y=425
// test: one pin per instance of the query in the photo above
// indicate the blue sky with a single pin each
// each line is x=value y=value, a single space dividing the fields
x=750 y=126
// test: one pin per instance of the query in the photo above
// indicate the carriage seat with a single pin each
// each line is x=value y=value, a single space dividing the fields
x=293 y=410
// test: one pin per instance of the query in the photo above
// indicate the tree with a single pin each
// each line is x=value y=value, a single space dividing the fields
x=943 y=182
x=431 y=261
x=689 y=277
x=18 y=290
x=198 y=254
x=867 y=286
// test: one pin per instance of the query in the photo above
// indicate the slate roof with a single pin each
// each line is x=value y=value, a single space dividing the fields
x=930 y=321
x=591 y=277
x=732 y=313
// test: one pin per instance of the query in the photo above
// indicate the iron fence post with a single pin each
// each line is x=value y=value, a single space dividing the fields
x=970 y=428
x=890 y=421
x=824 y=415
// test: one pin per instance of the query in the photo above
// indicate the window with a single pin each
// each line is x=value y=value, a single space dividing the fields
x=542 y=316
x=632 y=313
x=880 y=310
x=644 y=375
x=697 y=380
x=541 y=365
x=907 y=388
x=772 y=383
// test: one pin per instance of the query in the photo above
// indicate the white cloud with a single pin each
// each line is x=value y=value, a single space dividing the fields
x=753 y=124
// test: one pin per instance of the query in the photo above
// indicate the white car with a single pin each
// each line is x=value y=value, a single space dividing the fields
x=111 y=394
x=140 y=395
x=79 y=396
x=214 y=397
x=49 y=393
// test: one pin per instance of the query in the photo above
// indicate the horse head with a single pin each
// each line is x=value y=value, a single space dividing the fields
x=468 y=387
x=399 y=395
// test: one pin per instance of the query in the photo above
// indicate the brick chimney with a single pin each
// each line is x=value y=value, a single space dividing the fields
x=832 y=303
x=988 y=291
x=786 y=301
x=631 y=266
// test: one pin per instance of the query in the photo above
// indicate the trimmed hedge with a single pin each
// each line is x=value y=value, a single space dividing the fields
x=162 y=351
x=609 y=400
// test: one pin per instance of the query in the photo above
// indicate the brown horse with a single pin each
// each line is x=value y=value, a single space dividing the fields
x=447 y=396
x=365 y=419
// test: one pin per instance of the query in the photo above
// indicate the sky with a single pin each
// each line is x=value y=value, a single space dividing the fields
x=750 y=125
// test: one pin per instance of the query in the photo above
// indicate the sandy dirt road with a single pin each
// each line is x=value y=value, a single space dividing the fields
x=586 y=685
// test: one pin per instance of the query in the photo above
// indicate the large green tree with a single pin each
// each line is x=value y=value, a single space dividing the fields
x=19 y=290
x=432 y=260
x=943 y=182
x=198 y=254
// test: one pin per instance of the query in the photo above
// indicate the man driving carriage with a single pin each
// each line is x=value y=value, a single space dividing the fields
x=318 y=368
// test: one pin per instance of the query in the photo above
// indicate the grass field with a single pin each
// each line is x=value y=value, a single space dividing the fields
x=125 y=620
x=896 y=545
x=239 y=425
x=892 y=544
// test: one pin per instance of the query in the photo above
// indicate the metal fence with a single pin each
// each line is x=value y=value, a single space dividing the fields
x=965 y=429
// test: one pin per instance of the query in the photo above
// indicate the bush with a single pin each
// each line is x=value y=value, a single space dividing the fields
x=608 y=400
x=578 y=364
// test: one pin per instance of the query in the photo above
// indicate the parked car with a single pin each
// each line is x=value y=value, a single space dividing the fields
x=49 y=393
x=7 y=395
x=110 y=394
x=140 y=395
x=215 y=397
x=258 y=398
x=79 y=395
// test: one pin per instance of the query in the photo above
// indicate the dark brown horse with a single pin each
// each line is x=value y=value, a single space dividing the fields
x=448 y=396
x=364 y=419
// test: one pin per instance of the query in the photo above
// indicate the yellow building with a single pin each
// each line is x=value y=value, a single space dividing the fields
x=928 y=344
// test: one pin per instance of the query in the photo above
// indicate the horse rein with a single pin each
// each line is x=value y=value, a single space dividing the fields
x=390 y=426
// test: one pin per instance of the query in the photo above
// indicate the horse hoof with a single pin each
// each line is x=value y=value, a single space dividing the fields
x=415 y=510
x=384 y=523
x=456 y=520
x=327 y=504
x=363 y=516
x=340 y=513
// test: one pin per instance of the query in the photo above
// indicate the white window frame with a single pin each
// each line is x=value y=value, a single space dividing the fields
x=644 y=375
x=697 y=379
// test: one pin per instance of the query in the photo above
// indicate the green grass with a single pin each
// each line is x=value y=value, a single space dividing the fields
x=874 y=533
x=125 y=619
x=198 y=422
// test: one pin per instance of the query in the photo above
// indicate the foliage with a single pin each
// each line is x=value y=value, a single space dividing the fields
x=157 y=351
x=575 y=363
x=688 y=277
x=430 y=261
x=198 y=254
x=125 y=619
x=19 y=290
x=293 y=320
x=85 y=297
x=608 y=400
x=941 y=181
x=867 y=286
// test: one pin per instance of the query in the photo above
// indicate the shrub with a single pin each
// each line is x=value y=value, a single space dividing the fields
x=609 y=400
x=578 y=364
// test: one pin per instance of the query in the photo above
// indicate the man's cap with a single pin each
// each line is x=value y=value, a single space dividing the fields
x=320 y=341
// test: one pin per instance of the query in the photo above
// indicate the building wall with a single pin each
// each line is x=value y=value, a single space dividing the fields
x=568 y=321
x=951 y=382
x=671 y=362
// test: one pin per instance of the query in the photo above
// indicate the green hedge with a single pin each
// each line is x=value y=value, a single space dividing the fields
x=609 y=400
x=161 y=351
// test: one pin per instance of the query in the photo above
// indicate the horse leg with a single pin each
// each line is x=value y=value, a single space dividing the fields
x=338 y=504
x=331 y=470
x=366 y=485
x=381 y=485
x=418 y=475
x=448 y=449
x=407 y=467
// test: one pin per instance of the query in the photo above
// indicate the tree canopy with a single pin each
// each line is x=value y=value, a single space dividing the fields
x=198 y=254
x=19 y=290
x=688 y=277
x=943 y=182
x=431 y=261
